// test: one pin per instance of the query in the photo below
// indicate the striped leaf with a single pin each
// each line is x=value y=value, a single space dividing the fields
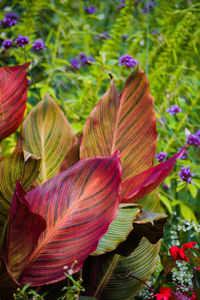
x=13 y=98
x=19 y=164
x=137 y=187
x=73 y=156
x=24 y=229
x=78 y=206
x=102 y=273
x=47 y=133
x=127 y=125
x=7 y=284
x=119 y=229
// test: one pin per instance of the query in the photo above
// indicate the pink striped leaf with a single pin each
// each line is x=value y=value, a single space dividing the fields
x=78 y=206
x=23 y=231
x=141 y=185
x=13 y=98
x=127 y=124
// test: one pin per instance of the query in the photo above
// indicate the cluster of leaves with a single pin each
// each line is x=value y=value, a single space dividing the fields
x=170 y=59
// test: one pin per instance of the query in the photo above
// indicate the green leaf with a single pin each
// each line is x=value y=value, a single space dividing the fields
x=187 y=213
x=47 y=133
x=166 y=202
x=102 y=273
x=18 y=165
x=118 y=229
x=193 y=190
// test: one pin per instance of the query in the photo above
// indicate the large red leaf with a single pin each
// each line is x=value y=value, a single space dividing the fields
x=142 y=184
x=23 y=231
x=78 y=206
x=13 y=97
x=127 y=125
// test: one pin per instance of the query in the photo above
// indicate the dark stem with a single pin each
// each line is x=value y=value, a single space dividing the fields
x=134 y=277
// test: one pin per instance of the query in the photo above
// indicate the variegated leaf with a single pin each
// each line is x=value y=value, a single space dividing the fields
x=127 y=124
x=78 y=206
x=13 y=98
x=119 y=229
x=141 y=185
x=47 y=133
x=19 y=164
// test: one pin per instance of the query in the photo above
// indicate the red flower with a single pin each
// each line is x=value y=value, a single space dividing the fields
x=164 y=294
x=178 y=253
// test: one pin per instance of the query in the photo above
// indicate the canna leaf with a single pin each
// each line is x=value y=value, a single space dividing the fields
x=47 y=133
x=7 y=284
x=19 y=164
x=127 y=124
x=106 y=276
x=73 y=156
x=118 y=229
x=78 y=206
x=24 y=229
x=137 y=187
x=13 y=98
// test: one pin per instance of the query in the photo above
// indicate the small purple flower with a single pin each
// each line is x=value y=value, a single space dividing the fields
x=148 y=7
x=38 y=45
x=165 y=186
x=22 y=41
x=155 y=31
x=75 y=63
x=127 y=60
x=121 y=6
x=197 y=133
x=13 y=16
x=84 y=59
x=6 y=44
x=185 y=174
x=90 y=9
x=7 y=22
x=124 y=37
x=193 y=140
x=174 y=109
x=185 y=153
x=161 y=156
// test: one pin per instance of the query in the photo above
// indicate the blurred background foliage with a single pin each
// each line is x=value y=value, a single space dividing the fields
x=165 y=39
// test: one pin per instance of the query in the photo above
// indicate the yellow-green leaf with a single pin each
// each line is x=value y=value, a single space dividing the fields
x=47 y=133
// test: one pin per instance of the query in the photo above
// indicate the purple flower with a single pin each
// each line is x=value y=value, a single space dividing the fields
x=148 y=7
x=7 y=22
x=155 y=31
x=13 y=16
x=124 y=37
x=90 y=9
x=85 y=59
x=197 y=133
x=22 y=41
x=161 y=156
x=185 y=153
x=121 y=6
x=165 y=186
x=174 y=109
x=75 y=63
x=193 y=140
x=127 y=60
x=6 y=44
x=38 y=45
x=185 y=174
